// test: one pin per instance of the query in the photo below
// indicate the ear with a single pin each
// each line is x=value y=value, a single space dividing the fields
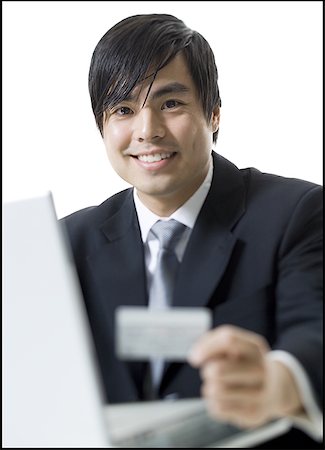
x=215 y=119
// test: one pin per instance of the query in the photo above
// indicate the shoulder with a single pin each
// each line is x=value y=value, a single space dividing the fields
x=258 y=186
x=277 y=206
x=95 y=215
x=84 y=226
x=262 y=194
x=279 y=191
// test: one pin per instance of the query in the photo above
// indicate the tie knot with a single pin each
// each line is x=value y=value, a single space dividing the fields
x=168 y=232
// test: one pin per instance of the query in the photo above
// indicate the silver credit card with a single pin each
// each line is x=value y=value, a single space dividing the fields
x=142 y=333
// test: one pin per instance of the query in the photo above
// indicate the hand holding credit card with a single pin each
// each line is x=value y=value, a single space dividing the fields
x=142 y=333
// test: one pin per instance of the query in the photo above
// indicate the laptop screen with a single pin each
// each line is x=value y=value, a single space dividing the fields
x=51 y=389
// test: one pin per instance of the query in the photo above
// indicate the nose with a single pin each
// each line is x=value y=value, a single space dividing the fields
x=148 y=126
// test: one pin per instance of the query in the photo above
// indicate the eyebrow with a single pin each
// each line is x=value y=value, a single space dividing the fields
x=170 y=88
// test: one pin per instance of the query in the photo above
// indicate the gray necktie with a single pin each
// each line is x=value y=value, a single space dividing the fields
x=161 y=292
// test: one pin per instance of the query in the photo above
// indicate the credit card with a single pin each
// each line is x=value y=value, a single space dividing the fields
x=142 y=333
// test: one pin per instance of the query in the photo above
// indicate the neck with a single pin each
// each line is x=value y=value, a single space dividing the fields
x=160 y=206
x=164 y=205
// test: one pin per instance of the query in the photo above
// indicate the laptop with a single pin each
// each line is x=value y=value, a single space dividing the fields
x=52 y=389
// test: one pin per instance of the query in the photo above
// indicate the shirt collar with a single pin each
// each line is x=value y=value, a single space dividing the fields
x=186 y=214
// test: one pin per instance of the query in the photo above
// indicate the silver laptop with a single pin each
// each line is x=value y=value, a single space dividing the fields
x=52 y=389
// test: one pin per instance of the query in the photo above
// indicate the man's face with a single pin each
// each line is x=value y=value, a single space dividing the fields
x=163 y=147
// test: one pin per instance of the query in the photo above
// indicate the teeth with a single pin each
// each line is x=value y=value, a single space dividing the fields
x=154 y=158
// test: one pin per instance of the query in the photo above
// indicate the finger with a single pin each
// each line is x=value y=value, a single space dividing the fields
x=227 y=341
x=236 y=394
x=234 y=372
x=242 y=414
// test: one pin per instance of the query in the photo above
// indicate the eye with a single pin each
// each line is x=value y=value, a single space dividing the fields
x=123 y=111
x=170 y=104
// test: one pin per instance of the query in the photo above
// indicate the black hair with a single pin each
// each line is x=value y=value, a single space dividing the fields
x=126 y=52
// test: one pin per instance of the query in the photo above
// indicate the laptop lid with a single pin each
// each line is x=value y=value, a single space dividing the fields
x=52 y=393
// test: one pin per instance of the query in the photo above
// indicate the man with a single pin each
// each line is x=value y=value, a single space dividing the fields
x=250 y=250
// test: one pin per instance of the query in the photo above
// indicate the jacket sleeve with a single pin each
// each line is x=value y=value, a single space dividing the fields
x=299 y=291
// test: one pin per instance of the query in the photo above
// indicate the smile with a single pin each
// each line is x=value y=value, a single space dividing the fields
x=155 y=157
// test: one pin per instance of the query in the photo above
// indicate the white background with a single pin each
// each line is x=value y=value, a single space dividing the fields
x=269 y=57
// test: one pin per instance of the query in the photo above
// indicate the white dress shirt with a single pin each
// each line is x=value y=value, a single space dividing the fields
x=186 y=214
x=312 y=421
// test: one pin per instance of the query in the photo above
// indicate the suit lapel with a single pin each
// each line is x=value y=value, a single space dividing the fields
x=211 y=243
x=119 y=264
x=119 y=273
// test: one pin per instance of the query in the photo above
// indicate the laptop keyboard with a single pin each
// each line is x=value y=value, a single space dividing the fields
x=195 y=431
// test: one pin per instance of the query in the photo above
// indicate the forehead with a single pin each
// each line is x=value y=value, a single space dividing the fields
x=175 y=76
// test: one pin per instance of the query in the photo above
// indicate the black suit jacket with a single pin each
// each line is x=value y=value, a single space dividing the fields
x=254 y=258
